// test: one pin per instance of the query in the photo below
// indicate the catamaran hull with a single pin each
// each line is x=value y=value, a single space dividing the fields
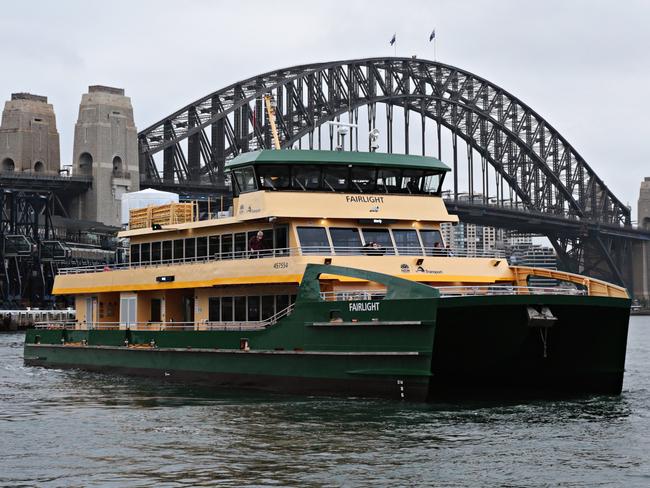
x=476 y=347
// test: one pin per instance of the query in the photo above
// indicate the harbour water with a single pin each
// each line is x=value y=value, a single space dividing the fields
x=72 y=428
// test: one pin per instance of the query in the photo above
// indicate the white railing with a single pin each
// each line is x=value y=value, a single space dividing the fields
x=292 y=251
x=457 y=291
x=177 y=326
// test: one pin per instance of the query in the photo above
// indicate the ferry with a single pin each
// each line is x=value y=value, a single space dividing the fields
x=329 y=275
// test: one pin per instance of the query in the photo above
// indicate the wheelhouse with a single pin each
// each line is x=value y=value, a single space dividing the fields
x=336 y=171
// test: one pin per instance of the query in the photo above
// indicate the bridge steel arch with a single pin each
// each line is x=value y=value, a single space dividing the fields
x=544 y=171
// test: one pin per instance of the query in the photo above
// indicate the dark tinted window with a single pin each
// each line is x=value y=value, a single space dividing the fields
x=305 y=177
x=345 y=241
x=190 y=246
x=214 y=309
x=226 y=309
x=381 y=237
x=245 y=179
x=213 y=250
x=240 y=244
x=268 y=306
x=155 y=252
x=281 y=238
x=226 y=246
x=335 y=178
x=282 y=302
x=145 y=252
x=201 y=247
x=274 y=177
x=253 y=308
x=178 y=249
x=135 y=253
x=155 y=309
x=167 y=250
x=313 y=240
x=407 y=242
x=363 y=179
x=240 y=309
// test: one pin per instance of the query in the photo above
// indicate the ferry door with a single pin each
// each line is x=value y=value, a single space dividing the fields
x=91 y=308
x=127 y=311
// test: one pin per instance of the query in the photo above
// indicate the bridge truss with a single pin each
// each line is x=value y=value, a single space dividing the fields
x=511 y=158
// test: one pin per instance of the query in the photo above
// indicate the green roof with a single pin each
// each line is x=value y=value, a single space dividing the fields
x=290 y=156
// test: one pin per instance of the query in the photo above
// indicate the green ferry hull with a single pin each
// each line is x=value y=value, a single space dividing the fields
x=477 y=347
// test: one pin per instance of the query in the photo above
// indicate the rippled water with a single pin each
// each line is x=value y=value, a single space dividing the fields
x=71 y=428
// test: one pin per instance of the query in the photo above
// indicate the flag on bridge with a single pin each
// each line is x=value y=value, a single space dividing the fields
x=393 y=39
x=433 y=35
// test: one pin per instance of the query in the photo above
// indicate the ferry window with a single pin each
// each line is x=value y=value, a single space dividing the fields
x=240 y=244
x=274 y=177
x=201 y=247
x=155 y=252
x=178 y=249
x=135 y=253
x=145 y=252
x=313 y=240
x=335 y=178
x=345 y=241
x=433 y=182
x=214 y=309
x=226 y=309
x=306 y=178
x=253 y=308
x=281 y=240
x=268 y=306
x=363 y=179
x=155 y=309
x=213 y=242
x=407 y=242
x=226 y=246
x=240 y=309
x=282 y=302
x=245 y=179
x=167 y=250
x=431 y=239
x=412 y=181
x=381 y=237
x=388 y=180
x=190 y=245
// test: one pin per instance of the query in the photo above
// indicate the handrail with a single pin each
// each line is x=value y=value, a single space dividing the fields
x=152 y=326
x=593 y=286
x=414 y=251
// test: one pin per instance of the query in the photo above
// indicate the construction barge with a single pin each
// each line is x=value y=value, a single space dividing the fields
x=331 y=276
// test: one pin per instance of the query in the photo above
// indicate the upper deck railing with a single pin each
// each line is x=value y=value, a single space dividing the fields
x=414 y=251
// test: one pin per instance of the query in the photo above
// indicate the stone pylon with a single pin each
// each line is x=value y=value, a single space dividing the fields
x=106 y=148
x=29 y=141
x=641 y=250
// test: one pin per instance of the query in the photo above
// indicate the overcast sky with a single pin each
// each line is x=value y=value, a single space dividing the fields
x=583 y=65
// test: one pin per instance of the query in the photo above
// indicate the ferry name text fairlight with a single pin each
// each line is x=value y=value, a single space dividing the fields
x=363 y=199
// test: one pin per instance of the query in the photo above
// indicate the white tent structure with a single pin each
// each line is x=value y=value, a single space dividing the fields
x=144 y=198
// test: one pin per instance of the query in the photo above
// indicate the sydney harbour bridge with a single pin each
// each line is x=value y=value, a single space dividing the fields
x=511 y=168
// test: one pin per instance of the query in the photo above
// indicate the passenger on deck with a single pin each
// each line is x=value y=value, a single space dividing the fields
x=256 y=245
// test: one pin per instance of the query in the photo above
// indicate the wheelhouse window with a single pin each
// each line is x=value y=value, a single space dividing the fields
x=388 y=180
x=412 y=181
x=306 y=178
x=335 y=178
x=363 y=180
x=432 y=241
x=433 y=183
x=345 y=240
x=407 y=242
x=313 y=240
x=245 y=178
x=274 y=177
x=378 y=241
